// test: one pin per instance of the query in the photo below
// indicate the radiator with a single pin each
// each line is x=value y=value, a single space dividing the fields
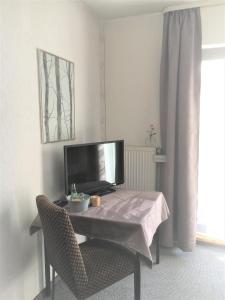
x=140 y=169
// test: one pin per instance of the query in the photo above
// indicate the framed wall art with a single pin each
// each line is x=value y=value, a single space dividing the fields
x=56 y=93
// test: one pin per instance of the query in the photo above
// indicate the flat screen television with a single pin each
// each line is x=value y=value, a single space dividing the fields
x=95 y=168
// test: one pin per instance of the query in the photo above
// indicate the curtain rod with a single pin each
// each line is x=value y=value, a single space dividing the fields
x=194 y=4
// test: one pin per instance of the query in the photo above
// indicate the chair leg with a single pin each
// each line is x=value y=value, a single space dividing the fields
x=137 y=279
x=47 y=273
x=53 y=283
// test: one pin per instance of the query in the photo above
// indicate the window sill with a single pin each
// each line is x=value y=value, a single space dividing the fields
x=209 y=240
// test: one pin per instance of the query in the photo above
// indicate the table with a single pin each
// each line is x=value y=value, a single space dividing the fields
x=127 y=217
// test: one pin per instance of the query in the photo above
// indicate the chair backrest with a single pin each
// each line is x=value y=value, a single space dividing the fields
x=62 y=248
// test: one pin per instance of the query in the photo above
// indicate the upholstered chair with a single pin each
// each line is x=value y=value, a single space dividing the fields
x=88 y=267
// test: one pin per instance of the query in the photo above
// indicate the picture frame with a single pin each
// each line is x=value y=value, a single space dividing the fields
x=56 y=97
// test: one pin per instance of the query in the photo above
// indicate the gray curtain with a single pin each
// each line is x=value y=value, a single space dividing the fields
x=179 y=115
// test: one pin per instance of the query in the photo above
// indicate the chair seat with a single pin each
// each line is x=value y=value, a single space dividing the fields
x=105 y=263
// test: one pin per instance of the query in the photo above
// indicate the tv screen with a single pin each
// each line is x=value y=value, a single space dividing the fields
x=95 y=167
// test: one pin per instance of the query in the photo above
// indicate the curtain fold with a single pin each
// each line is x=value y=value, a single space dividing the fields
x=179 y=122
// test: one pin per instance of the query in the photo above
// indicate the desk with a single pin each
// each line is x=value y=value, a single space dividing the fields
x=128 y=217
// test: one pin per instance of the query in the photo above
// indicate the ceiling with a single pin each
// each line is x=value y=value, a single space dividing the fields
x=108 y=9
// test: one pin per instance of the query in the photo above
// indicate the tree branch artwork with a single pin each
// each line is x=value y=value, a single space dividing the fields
x=59 y=97
x=56 y=91
x=71 y=96
x=46 y=114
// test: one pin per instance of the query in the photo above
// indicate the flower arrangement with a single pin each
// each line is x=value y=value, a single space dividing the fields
x=152 y=131
x=151 y=139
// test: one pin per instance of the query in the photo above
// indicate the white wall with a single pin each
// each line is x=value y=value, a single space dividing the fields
x=132 y=70
x=27 y=167
x=213 y=25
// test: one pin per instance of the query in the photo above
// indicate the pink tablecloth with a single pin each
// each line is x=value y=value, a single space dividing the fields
x=127 y=217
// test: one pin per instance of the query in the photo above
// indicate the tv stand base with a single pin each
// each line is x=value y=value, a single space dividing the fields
x=105 y=191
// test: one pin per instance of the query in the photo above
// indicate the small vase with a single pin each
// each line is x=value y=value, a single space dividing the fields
x=147 y=142
x=153 y=141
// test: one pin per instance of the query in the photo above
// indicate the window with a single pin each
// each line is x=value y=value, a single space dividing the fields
x=211 y=179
